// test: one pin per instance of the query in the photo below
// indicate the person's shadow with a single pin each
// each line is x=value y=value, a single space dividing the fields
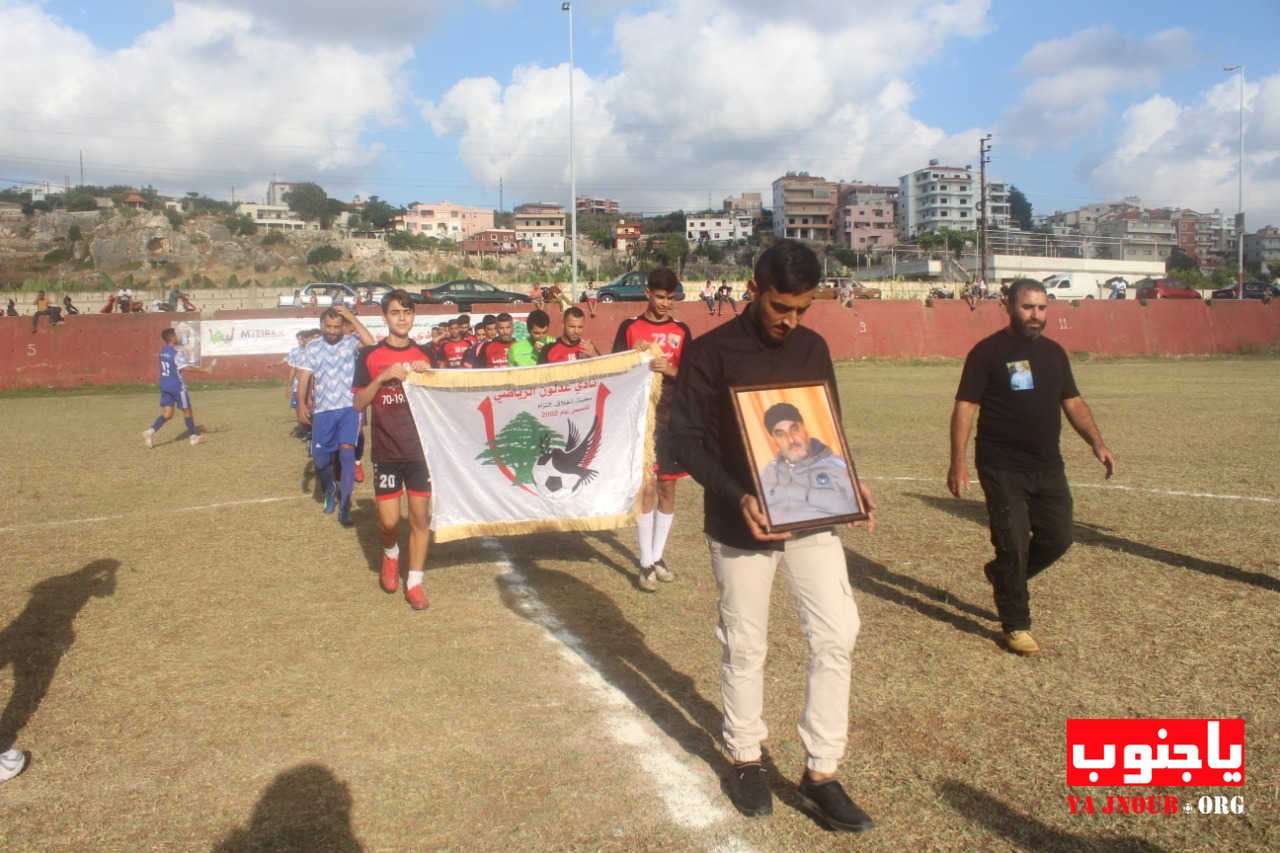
x=1025 y=832
x=304 y=808
x=34 y=643
x=593 y=626
x=938 y=604
x=1091 y=534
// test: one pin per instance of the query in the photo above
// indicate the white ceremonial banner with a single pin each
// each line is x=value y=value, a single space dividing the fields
x=525 y=449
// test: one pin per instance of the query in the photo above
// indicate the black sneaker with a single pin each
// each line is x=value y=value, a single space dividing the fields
x=749 y=789
x=831 y=806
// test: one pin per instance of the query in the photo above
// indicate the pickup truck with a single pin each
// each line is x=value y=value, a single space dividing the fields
x=320 y=294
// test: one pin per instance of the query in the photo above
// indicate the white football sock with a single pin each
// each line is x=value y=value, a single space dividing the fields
x=644 y=527
x=415 y=578
x=661 y=528
x=393 y=551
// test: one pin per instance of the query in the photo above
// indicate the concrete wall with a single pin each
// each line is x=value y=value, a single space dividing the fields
x=95 y=349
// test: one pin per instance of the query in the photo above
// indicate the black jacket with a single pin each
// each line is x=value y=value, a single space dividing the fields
x=703 y=431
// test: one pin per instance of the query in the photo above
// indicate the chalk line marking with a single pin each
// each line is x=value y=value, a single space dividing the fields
x=681 y=788
x=98 y=519
x=1178 y=493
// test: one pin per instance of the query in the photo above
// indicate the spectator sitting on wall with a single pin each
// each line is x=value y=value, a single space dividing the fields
x=12 y=309
x=43 y=309
x=67 y=307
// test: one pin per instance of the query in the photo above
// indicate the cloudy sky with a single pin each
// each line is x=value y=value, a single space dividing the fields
x=677 y=103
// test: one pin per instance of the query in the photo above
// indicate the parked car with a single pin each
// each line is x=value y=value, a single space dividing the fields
x=1165 y=288
x=465 y=292
x=628 y=287
x=321 y=294
x=1070 y=286
x=829 y=288
x=1252 y=290
x=371 y=292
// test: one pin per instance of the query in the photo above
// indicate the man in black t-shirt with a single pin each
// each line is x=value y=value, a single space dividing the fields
x=1018 y=381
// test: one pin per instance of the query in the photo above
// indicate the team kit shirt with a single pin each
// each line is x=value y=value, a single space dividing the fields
x=669 y=336
x=395 y=436
x=172 y=361
x=452 y=353
x=333 y=369
x=558 y=350
x=1019 y=384
x=526 y=352
x=496 y=353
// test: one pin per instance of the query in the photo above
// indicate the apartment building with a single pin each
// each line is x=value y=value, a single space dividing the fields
x=749 y=203
x=606 y=206
x=947 y=197
x=275 y=216
x=626 y=235
x=494 y=241
x=1201 y=235
x=444 y=220
x=717 y=227
x=804 y=207
x=867 y=216
x=540 y=226
x=1262 y=247
x=1138 y=235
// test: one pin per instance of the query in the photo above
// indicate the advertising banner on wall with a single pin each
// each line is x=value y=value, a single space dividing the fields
x=278 y=335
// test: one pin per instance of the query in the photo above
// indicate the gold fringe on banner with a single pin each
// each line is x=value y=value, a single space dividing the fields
x=496 y=378
x=535 y=525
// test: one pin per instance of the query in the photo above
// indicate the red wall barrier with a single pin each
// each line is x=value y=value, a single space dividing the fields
x=100 y=349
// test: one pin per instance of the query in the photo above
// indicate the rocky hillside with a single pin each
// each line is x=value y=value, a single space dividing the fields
x=94 y=250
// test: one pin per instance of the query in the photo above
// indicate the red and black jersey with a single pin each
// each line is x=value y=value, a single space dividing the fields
x=494 y=353
x=395 y=436
x=558 y=350
x=451 y=353
x=669 y=336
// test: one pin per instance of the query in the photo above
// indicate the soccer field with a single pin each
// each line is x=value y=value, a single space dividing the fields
x=196 y=657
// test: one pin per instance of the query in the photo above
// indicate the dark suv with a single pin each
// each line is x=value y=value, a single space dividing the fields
x=628 y=287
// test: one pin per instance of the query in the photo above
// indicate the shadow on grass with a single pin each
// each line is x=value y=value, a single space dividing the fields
x=1024 y=831
x=1089 y=534
x=874 y=578
x=589 y=623
x=34 y=643
x=304 y=808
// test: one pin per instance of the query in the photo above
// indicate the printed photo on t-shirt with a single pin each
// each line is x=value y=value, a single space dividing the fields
x=1020 y=376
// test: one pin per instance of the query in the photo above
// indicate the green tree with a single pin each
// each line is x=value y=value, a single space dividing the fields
x=309 y=201
x=241 y=226
x=378 y=213
x=1273 y=267
x=82 y=201
x=1019 y=208
x=664 y=224
x=1179 y=261
x=321 y=255
x=674 y=249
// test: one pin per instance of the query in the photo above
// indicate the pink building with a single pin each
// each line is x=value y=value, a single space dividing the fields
x=868 y=227
x=447 y=220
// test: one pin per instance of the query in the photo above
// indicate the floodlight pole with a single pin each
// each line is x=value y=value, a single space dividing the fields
x=573 y=182
x=1240 y=190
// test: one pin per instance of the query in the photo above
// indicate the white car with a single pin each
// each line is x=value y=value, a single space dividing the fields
x=320 y=294
x=1074 y=285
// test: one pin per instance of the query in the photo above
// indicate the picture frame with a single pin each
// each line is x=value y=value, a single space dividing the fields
x=798 y=455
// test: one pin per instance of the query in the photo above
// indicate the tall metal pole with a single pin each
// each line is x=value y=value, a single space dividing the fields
x=1240 y=198
x=984 y=148
x=573 y=182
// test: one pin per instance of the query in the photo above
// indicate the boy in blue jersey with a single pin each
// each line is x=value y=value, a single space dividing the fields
x=173 y=391
x=335 y=424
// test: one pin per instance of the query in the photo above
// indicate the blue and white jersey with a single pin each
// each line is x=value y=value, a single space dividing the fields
x=172 y=361
x=334 y=369
x=294 y=359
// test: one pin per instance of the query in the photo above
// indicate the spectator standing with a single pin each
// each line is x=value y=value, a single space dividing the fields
x=709 y=298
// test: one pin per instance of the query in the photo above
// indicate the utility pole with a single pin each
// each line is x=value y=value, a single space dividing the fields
x=984 y=151
x=500 y=207
x=81 y=167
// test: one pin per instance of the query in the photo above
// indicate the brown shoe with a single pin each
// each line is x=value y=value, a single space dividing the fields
x=1021 y=642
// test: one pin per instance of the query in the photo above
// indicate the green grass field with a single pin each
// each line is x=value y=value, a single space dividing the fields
x=197 y=658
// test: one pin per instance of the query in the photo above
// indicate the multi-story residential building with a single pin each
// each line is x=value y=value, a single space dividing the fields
x=1084 y=220
x=444 y=220
x=495 y=241
x=1262 y=247
x=749 y=203
x=277 y=190
x=626 y=235
x=275 y=216
x=804 y=207
x=1138 y=235
x=867 y=227
x=947 y=197
x=717 y=227
x=606 y=206
x=1201 y=235
x=540 y=226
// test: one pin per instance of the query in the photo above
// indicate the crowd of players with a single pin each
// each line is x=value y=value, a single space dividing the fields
x=338 y=372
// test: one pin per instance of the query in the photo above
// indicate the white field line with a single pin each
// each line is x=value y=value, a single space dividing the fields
x=682 y=789
x=98 y=519
x=1178 y=493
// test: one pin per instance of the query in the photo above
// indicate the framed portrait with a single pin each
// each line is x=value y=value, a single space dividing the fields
x=799 y=459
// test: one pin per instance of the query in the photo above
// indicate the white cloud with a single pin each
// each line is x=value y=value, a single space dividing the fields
x=746 y=91
x=1074 y=77
x=1186 y=154
x=209 y=99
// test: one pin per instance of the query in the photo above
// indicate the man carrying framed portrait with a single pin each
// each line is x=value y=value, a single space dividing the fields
x=756 y=360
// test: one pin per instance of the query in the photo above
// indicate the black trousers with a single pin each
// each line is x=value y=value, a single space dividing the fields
x=1030 y=517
